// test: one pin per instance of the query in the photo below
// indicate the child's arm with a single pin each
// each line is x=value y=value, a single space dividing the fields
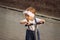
x=23 y=21
x=42 y=21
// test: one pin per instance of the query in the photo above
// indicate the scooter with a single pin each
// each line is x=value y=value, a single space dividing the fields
x=35 y=27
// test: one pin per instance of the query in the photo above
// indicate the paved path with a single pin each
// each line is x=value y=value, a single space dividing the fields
x=10 y=29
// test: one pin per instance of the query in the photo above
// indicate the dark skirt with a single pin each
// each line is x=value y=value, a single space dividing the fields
x=30 y=35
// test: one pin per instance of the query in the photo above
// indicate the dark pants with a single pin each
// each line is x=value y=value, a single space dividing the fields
x=30 y=35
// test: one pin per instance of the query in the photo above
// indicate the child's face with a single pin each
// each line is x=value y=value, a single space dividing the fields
x=28 y=17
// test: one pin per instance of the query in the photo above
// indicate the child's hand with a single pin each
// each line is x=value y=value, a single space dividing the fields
x=27 y=24
x=42 y=21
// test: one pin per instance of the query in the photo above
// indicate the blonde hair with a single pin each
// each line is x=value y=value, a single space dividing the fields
x=33 y=10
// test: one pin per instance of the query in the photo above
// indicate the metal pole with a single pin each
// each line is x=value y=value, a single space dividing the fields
x=36 y=30
x=36 y=33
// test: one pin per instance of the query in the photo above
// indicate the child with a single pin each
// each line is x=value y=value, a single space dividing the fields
x=30 y=19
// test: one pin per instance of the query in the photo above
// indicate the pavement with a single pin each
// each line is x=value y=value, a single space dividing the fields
x=10 y=29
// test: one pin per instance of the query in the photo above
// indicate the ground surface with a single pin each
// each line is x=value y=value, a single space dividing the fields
x=10 y=29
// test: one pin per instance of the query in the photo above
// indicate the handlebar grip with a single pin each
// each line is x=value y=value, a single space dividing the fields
x=33 y=24
x=29 y=25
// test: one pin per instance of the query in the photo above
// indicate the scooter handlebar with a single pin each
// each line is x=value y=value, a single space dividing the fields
x=33 y=24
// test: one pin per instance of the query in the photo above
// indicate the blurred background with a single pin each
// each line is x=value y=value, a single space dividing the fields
x=11 y=14
x=47 y=7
